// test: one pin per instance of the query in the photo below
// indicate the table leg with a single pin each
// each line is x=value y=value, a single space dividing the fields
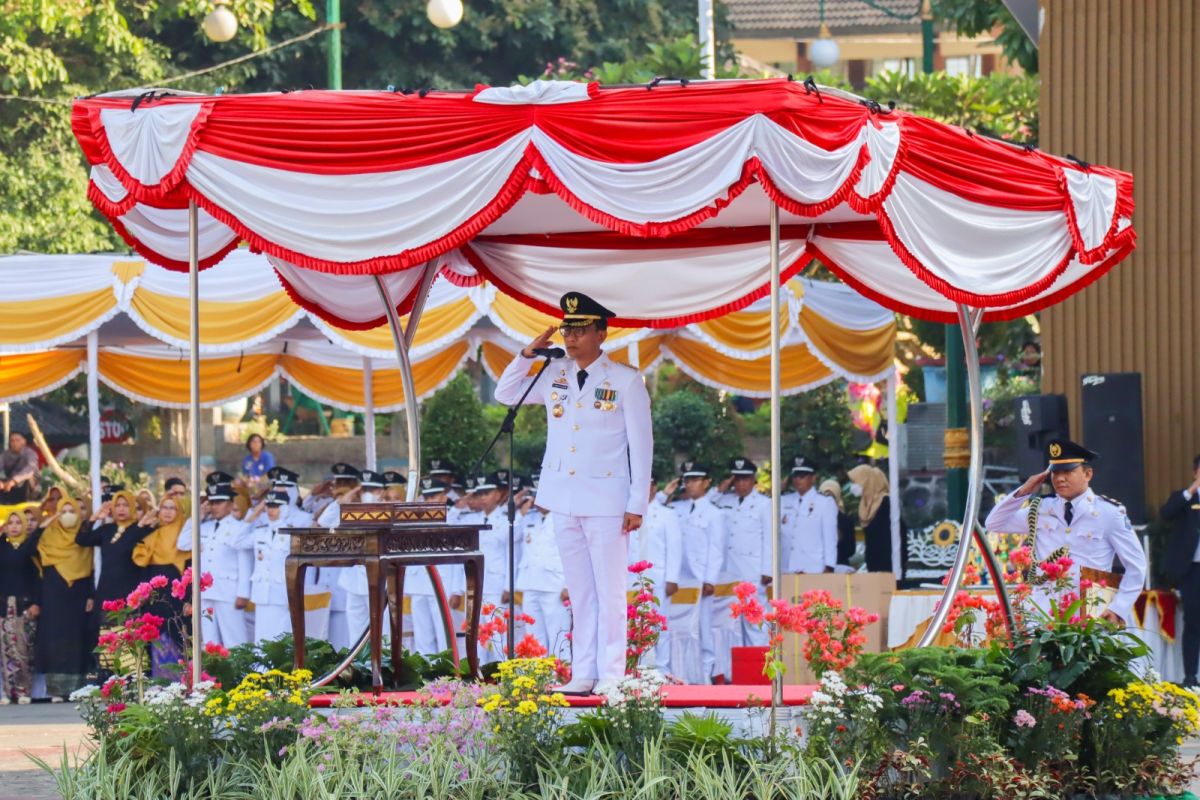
x=396 y=605
x=294 y=575
x=375 y=611
x=474 y=574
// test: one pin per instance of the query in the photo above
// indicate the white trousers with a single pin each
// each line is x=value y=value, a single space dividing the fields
x=429 y=635
x=714 y=638
x=227 y=626
x=594 y=553
x=339 y=630
x=551 y=621
x=684 y=621
x=271 y=622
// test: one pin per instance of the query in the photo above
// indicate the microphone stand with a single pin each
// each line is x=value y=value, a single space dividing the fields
x=506 y=427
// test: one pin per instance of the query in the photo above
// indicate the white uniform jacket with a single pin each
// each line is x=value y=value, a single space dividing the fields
x=809 y=531
x=659 y=541
x=268 y=582
x=541 y=568
x=748 y=545
x=226 y=552
x=598 y=443
x=1099 y=530
x=494 y=546
x=702 y=528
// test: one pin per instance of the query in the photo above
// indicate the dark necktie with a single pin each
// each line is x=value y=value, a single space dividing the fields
x=1068 y=512
x=693 y=508
x=581 y=376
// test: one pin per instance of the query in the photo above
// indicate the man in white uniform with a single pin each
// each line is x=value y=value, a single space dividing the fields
x=268 y=583
x=1090 y=528
x=540 y=580
x=317 y=589
x=352 y=581
x=226 y=551
x=702 y=526
x=747 y=557
x=809 y=523
x=660 y=542
x=597 y=464
x=492 y=493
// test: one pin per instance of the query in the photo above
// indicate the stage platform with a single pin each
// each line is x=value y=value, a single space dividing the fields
x=675 y=697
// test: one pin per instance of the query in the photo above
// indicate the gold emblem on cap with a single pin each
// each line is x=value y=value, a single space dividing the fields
x=572 y=304
x=1055 y=450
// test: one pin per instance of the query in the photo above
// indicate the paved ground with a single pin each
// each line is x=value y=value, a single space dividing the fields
x=39 y=729
x=43 y=730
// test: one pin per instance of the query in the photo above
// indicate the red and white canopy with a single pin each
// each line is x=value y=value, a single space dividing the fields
x=653 y=201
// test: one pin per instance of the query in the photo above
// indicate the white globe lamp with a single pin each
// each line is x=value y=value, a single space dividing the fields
x=444 y=13
x=823 y=53
x=220 y=24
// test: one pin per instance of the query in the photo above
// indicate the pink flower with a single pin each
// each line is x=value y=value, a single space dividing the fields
x=1023 y=719
x=640 y=567
x=116 y=708
x=744 y=590
x=113 y=605
x=158 y=582
x=206 y=581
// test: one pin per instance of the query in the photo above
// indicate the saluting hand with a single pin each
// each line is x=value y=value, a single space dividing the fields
x=539 y=342
x=1033 y=483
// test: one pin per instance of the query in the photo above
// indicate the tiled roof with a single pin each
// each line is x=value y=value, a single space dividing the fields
x=802 y=18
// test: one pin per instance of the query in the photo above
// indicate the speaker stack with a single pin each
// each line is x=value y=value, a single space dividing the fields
x=1112 y=426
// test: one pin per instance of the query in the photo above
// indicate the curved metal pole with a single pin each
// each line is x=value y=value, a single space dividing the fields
x=414 y=435
x=997 y=575
x=966 y=325
x=194 y=426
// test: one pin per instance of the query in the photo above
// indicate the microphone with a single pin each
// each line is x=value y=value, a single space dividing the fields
x=549 y=352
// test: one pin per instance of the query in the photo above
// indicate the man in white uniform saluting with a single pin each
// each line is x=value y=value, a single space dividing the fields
x=593 y=479
x=1091 y=528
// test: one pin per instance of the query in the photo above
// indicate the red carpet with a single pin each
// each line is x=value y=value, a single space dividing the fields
x=729 y=696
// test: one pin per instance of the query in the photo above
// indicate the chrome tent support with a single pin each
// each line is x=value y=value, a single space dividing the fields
x=194 y=425
x=776 y=448
x=402 y=339
x=969 y=320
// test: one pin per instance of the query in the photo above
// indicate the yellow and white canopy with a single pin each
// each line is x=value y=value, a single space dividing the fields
x=250 y=330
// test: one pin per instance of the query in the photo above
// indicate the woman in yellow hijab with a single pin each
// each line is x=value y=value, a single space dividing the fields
x=874 y=512
x=67 y=593
x=157 y=555
x=21 y=587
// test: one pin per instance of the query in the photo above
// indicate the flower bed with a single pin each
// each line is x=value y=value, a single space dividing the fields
x=1054 y=711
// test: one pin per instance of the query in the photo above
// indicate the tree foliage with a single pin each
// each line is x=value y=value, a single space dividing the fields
x=975 y=17
x=692 y=421
x=453 y=425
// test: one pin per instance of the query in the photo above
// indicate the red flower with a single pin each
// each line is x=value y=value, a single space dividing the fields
x=216 y=649
x=158 y=582
x=113 y=605
x=530 y=647
x=744 y=590
x=640 y=567
x=116 y=708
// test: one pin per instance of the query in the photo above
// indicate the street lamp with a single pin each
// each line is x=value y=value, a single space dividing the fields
x=444 y=13
x=220 y=24
x=824 y=51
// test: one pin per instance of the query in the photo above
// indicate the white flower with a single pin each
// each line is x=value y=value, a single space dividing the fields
x=83 y=693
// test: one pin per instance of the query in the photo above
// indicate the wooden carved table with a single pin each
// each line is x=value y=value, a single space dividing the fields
x=386 y=538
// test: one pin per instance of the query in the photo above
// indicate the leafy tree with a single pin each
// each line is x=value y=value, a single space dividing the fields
x=692 y=421
x=975 y=17
x=453 y=425
x=817 y=424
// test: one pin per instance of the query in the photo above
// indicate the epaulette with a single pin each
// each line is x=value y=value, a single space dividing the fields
x=1116 y=503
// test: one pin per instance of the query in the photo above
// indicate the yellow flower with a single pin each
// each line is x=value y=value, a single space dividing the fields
x=527 y=707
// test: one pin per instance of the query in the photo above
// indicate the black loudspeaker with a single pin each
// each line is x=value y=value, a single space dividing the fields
x=1040 y=418
x=1112 y=426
